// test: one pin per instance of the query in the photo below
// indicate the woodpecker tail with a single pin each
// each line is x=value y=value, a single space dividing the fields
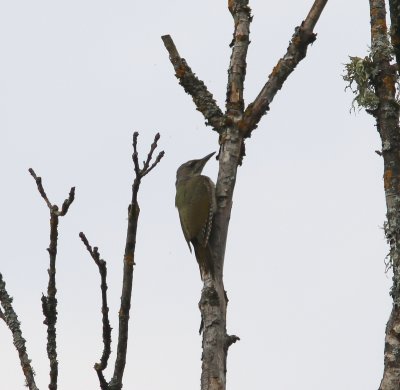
x=204 y=259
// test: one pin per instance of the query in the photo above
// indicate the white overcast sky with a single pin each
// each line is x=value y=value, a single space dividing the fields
x=304 y=267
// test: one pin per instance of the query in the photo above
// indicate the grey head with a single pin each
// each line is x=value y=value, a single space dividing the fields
x=192 y=168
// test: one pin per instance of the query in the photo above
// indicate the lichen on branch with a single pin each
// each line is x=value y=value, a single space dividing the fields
x=359 y=73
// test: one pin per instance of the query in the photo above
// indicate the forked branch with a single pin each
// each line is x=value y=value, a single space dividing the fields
x=296 y=51
x=236 y=124
x=129 y=258
x=49 y=301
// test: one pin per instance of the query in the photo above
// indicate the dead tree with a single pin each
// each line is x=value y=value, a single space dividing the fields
x=233 y=126
x=374 y=80
x=49 y=301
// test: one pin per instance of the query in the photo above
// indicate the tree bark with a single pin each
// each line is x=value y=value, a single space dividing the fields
x=129 y=259
x=387 y=120
x=233 y=127
x=11 y=319
x=49 y=301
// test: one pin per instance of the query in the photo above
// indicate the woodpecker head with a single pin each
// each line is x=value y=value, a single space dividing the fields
x=192 y=168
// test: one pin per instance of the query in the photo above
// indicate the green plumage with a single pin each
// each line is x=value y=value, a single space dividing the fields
x=195 y=201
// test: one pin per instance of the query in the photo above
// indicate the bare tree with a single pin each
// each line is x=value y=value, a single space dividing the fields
x=374 y=81
x=49 y=302
x=234 y=126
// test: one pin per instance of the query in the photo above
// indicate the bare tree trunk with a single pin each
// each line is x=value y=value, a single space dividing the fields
x=233 y=126
x=387 y=119
x=376 y=80
x=214 y=300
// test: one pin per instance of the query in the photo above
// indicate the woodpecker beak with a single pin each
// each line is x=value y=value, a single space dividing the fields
x=202 y=162
x=205 y=159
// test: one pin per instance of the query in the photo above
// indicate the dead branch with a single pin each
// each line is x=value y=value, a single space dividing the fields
x=129 y=259
x=49 y=301
x=237 y=67
x=11 y=319
x=192 y=85
x=233 y=126
x=296 y=51
x=395 y=28
x=313 y=16
x=102 y=266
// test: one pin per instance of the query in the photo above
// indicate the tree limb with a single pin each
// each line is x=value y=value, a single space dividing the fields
x=241 y=13
x=102 y=266
x=49 y=301
x=395 y=28
x=129 y=260
x=313 y=16
x=202 y=98
x=11 y=319
x=233 y=127
x=302 y=37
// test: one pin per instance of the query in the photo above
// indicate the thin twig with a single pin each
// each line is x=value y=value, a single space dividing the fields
x=146 y=164
x=102 y=266
x=196 y=88
x=302 y=37
x=129 y=262
x=11 y=319
x=49 y=301
x=153 y=146
x=40 y=187
x=156 y=161
x=67 y=202
x=135 y=155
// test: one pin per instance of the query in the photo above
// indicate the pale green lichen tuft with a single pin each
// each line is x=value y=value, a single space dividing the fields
x=359 y=73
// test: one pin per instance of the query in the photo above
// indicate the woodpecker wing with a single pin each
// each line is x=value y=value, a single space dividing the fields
x=180 y=203
x=185 y=232
x=195 y=203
